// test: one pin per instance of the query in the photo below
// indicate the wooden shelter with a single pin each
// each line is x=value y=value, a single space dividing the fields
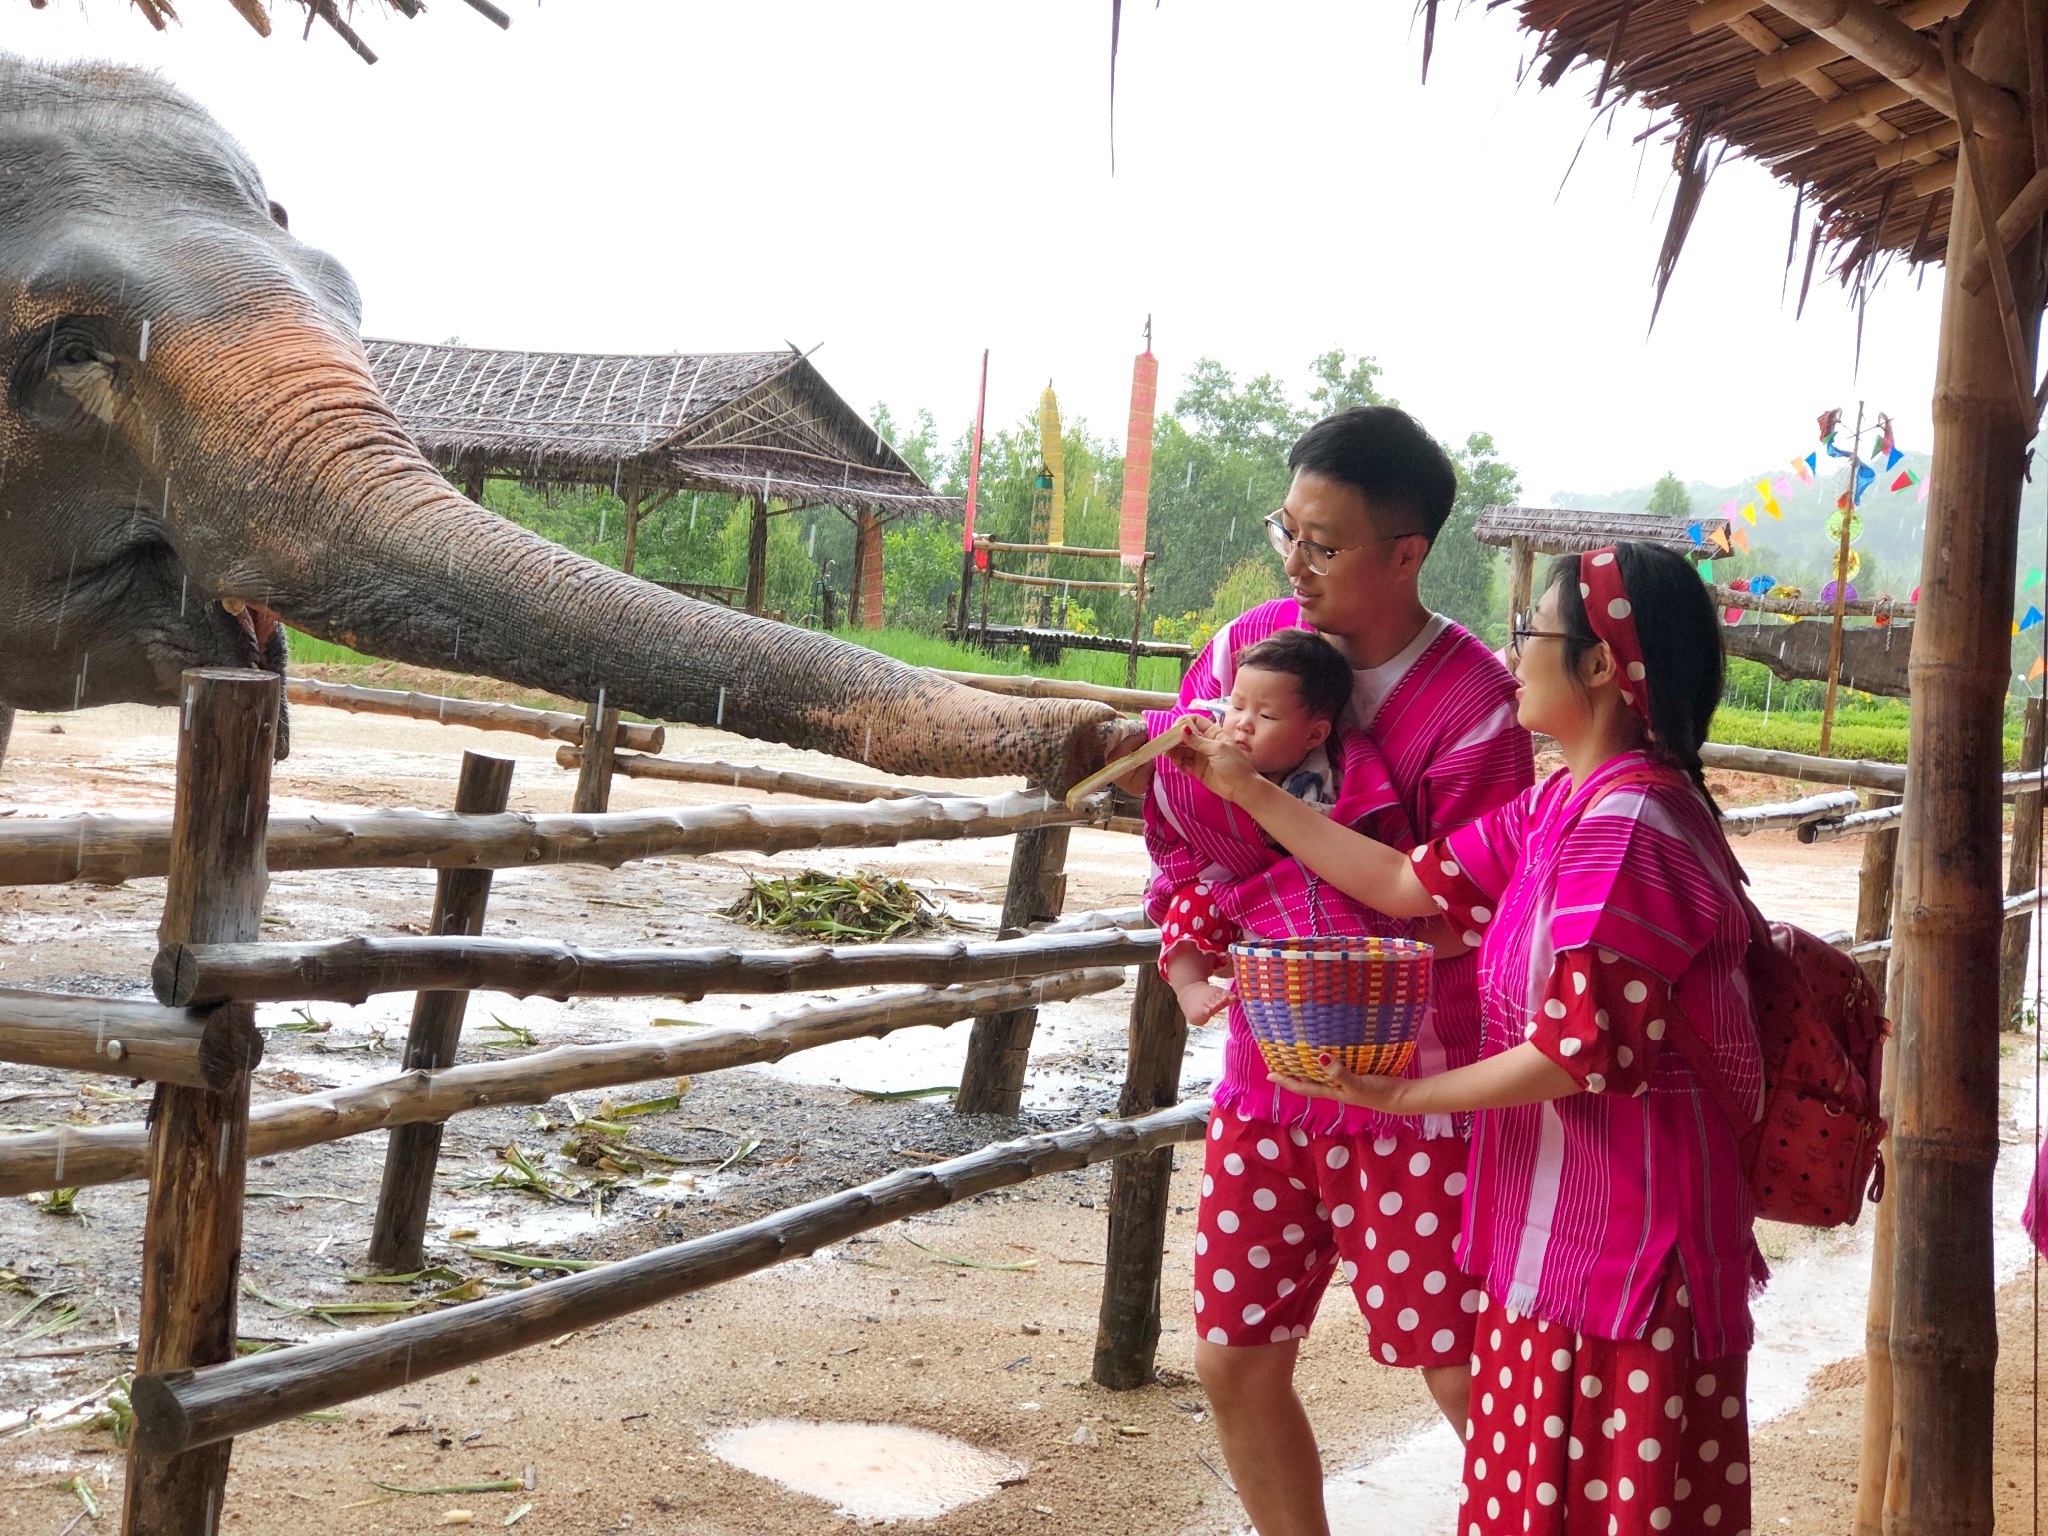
x=1904 y=133
x=762 y=426
x=1526 y=532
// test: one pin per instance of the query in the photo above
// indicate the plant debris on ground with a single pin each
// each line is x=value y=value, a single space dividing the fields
x=862 y=906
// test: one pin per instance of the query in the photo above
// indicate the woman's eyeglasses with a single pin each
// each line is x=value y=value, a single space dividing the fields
x=1523 y=627
x=1316 y=556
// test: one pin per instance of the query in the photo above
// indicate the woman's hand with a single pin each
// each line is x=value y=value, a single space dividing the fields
x=1386 y=1094
x=1220 y=765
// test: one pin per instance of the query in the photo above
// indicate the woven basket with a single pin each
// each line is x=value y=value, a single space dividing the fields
x=1359 y=1000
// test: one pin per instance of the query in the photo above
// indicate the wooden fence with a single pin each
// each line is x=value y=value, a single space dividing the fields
x=199 y=1045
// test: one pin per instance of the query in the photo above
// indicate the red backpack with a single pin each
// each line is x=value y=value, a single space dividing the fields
x=1813 y=1152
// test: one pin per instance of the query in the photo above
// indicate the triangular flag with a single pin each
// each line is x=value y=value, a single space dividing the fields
x=1692 y=531
x=1923 y=491
x=2030 y=618
x=2036 y=669
x=1864 y=476
x=1782 y=486
x=2034 y=578
x=1892 y=458
x=1812 y=463
x=1906 y=478
x=1720 y=537
x=1728 y=507
x=1749 y=513
x=1742 y=537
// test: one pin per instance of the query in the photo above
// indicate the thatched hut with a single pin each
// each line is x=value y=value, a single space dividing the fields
x=762 y=426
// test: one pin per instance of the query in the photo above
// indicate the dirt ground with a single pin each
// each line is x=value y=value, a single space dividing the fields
x=612 y=1423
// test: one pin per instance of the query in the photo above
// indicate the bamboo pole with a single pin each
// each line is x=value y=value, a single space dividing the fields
x=594 y=771
x=110 y=1154
x=398 y=1232
x=192 y=1233
x=1140 y=1192
x=110 y=849
x=1856 y=772
x=1062 y=582
x=992 y=1080
x=1060 y=688
x=2022 y=865
x=1874 y=882
x=1840 y=606
x=1795 y=813
x=1875 y=1450
x=1945 y=1137
x=353 y=970
x=1891 y=608
x=117 y=1037
x=633 y=500
x=544 y=724
x=179 y=1409
x=1878 y=38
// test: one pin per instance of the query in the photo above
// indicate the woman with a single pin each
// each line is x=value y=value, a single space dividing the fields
x=1607 y=1213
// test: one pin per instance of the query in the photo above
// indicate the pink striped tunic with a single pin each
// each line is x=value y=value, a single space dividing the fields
x=1442 y=714
x=1575 y=1206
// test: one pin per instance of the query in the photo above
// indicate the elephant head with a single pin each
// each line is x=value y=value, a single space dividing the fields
x=192 y=441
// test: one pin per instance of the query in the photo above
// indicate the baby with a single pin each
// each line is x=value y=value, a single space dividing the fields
x=1283 y=707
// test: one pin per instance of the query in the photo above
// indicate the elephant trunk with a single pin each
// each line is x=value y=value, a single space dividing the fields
x=295 y=486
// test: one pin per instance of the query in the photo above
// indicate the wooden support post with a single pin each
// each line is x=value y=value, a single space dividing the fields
x=992 y=1083
x=2020 y=866
x=1840 y=607
x=867 y=596
x=460 y=895
x=964 y=609
x=1521 y=576
x=192 y=1235
x=1140 y=1194
x=600 y=740
x=634 y=498
x=757 y=556
x=1137 y=628
x=1874 y=883
x=1874 y=1458
x=473 y=483
x=1944 y=1335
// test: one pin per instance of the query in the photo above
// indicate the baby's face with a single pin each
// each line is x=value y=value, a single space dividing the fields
x=1268 y=722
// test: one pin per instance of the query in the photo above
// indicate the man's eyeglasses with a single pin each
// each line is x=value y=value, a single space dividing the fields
x=1316 y=556
x=1523 y=627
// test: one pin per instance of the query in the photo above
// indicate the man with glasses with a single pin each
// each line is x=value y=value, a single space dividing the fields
x=1371 y=489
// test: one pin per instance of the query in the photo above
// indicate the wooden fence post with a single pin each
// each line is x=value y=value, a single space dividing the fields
x=1137 y=628
x=398 y=1235
x=192 y=1235
x=1874 y=881
x=992 y=1082
x=594 y=775
x=2020 y=867
x=1140 y=1193
x=757 y=555
x=1521 y=576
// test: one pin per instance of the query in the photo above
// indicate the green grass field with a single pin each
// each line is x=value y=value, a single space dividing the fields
x=1100 y=667
x=1876 y=734
x=312 y=652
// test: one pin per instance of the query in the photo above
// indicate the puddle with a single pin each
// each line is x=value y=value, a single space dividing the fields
x=868 y=1471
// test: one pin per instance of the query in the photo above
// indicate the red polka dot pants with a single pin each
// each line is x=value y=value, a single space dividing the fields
x=1283 y=1210
x=1577 y=1436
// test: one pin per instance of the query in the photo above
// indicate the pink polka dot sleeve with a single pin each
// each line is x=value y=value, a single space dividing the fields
x=1603 y=1020
x=1191 y=918
x=1467 y=903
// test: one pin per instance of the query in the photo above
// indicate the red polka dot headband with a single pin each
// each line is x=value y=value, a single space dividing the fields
x=1613 y=619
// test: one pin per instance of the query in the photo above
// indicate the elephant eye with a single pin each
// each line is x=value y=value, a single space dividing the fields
x=38 y=387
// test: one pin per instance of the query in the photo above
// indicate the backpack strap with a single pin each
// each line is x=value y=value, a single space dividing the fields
x=1682 y=1032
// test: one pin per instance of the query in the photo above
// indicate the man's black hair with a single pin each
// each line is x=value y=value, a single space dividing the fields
x=1323 y=676
x=1382 y=453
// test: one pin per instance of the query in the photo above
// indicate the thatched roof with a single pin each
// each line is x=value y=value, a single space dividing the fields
x=1873 y=162
x=1555 y=531
x=763 y=424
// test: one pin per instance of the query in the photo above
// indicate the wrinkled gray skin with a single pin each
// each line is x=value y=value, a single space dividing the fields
x=162 y=496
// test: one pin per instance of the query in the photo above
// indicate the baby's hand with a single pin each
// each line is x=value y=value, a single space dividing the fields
x=1201 y=1001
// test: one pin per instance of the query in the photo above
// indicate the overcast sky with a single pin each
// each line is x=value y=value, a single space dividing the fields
x=910 y=183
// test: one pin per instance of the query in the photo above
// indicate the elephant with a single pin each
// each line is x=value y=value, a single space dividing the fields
x=192 y=447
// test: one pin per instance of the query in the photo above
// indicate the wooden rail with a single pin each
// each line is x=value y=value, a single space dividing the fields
x=1779 y=818
x=77 y=1156
x=110 y=849
x=351 y=970
x=1859 y=773
x=1811 y=608
x=178 y=1410
x=442 y=709
x=122 y=1038
x=773 y=781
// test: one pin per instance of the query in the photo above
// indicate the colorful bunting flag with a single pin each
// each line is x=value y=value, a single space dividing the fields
x=1749 y=513
x=1692 y=531
x=1720 y=537
x=1836 y=453
x=2036 y=669
x=1742 y=537
x=1811 y=468
x=1138 y=457
x=1892 y=457
x=1782 y=486
x=1829 y=421
x=1906 y=478
x=2028 y=619
x=2034 y=578
x=1865 y=475
x=1052 y=454
x=1923 y=491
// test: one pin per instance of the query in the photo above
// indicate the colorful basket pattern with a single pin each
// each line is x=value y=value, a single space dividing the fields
x=1360 y=1000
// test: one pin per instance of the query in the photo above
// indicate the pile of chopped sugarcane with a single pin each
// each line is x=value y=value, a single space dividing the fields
x=850 y=907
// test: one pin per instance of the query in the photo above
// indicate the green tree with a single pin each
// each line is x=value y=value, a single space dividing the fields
x=1343 y=383
x=1458 y=578
x=1669 y=498
x=920 y=570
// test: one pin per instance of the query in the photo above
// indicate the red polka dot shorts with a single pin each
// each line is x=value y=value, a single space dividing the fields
x=1626 y=1437
x=1283 y=1210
